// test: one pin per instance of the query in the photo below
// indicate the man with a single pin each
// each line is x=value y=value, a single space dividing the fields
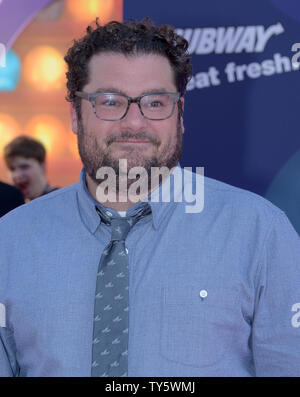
x=10 y=198
x=25 y=158
x=204 y=293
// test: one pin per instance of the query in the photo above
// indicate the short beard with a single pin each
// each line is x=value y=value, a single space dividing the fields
x=93 y=158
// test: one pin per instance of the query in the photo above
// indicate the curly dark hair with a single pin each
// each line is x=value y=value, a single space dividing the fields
x=128 y=38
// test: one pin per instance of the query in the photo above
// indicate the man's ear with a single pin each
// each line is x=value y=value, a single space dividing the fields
x=74 y=120
x=181 y=116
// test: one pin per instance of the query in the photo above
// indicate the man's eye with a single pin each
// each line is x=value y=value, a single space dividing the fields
x=155 y=104
x=110 y=102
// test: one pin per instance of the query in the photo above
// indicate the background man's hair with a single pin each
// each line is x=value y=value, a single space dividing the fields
x=128 y=38
x=24 y=146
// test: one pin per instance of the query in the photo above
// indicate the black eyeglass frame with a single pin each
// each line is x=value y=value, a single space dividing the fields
x=92 y=98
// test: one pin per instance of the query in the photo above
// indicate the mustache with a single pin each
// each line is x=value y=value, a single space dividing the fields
x=129 y=135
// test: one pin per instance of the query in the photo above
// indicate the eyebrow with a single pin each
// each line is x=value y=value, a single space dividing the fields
x=116 y=90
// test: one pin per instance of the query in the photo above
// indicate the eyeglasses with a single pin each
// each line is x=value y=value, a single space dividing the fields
x=113 y=106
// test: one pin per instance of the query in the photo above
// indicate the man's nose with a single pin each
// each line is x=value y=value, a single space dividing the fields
x=16 y=175
x=134 y=118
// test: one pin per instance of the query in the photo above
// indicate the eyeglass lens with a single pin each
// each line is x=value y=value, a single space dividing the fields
x=153 y=106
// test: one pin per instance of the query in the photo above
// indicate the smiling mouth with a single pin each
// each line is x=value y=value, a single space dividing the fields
x=131 y=141
x=23 y=186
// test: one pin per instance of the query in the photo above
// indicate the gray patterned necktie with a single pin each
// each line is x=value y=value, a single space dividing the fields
x=111 y=313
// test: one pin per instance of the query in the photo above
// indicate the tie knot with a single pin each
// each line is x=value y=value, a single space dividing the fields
x=120 y=226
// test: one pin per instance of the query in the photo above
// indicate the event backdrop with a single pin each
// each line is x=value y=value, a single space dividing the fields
x=36 y=35
x=242 y=104
x=241 y=107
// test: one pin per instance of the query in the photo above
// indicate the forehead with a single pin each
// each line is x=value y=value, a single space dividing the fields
x=18 y=161
x=132 y=75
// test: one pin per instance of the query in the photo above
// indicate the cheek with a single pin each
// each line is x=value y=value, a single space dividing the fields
x=31 y=174
x=98 y=132
x=13 y=176
x=91 y=127
x=16 y=174
x=168 y=132
x=89 y=122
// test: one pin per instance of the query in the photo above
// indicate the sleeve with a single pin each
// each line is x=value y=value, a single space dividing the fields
x=276 y=324
x=8 y=362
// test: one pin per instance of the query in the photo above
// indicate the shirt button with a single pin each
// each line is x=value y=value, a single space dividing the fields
x=203 y=293
x=126 y=249
x=108 y=213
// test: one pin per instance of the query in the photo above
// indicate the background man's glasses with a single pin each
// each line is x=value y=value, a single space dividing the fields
x=113 y=106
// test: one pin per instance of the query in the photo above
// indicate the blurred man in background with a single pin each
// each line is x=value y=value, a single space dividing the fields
x=10 y=198
x=25 y=158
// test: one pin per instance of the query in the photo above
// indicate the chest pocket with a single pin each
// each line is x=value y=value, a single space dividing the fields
x=198 y=325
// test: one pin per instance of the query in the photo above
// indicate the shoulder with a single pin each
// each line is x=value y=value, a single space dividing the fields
x=231 y=208
x=220 y=195
x=242 y=199
x=44 y=209
x=246 y=219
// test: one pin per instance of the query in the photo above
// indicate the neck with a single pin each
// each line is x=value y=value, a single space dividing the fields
x=42 y=186
x=122 y=202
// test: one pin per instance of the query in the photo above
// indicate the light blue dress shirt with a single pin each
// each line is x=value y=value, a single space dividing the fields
x=215 y=293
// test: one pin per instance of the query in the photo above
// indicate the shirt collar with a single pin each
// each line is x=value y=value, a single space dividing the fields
x=86 y=204
x=160 y=209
